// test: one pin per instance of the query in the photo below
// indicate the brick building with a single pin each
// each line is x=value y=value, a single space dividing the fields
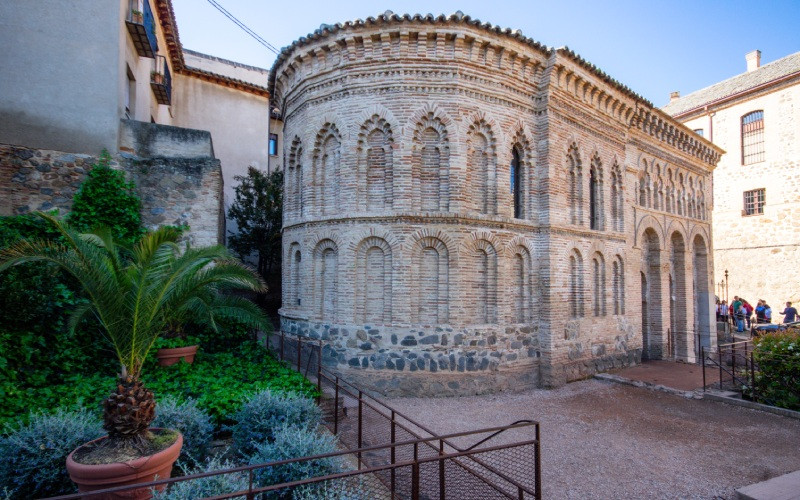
x=468 y=210
x=755 y=117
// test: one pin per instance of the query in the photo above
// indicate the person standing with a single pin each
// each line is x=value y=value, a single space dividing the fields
x=767 y=313
x=760 y=311
x=738 y=313
x=789 y=313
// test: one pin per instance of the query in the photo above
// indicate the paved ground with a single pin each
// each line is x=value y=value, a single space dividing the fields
x=683 y=376
x=604 y=440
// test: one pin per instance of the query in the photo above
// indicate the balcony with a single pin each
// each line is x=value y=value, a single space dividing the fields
x=142 y=27
x=161 y=81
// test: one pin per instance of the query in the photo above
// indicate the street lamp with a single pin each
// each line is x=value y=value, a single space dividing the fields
x=726 y=286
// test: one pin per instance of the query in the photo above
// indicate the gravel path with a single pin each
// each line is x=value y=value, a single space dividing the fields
x=604 y=440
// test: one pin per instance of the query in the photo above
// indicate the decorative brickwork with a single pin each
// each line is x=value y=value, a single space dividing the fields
x=480 y=209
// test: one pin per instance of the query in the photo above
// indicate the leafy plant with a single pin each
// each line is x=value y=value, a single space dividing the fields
x=34 y=453
x=175 y=342
x=134 y=300
x=293 y=442
x=220 y=383
x=777 y=356
x=191 y=421
x=265 y=412
x=106 y=198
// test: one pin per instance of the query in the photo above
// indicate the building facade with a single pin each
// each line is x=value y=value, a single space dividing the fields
x=467 y=210
x=755 y=117
x=85 y=76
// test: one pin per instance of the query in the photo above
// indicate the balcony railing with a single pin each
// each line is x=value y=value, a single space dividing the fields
x=142 y=27
x=161 y=81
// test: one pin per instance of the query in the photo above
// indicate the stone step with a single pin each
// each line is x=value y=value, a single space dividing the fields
x=786 y=487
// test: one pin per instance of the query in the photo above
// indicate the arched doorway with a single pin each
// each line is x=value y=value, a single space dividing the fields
x=678 y=305
x=703 y=298
x=652 y=327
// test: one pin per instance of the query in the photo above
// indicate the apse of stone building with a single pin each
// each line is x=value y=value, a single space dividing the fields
x=468 y=210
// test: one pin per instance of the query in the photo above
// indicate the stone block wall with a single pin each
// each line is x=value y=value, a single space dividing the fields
x=173 y=191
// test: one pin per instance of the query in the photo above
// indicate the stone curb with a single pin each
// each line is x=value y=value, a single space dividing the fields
x=647 y=385
x=713 y=396
x=710 y=395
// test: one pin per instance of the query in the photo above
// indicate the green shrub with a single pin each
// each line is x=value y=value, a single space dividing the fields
x=34 y=454
x=294 y=442
x=36 y=347
x=351 y=488
x=777 y=356
x=207 y=486
x=220 y=384
x=189 y=420
x=265 y=412
x=106 y=198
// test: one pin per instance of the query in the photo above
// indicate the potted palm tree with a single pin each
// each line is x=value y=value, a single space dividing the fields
x=135 y=293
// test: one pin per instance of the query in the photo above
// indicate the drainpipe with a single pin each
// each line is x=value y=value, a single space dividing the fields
x=269 y=131
x=710 y=124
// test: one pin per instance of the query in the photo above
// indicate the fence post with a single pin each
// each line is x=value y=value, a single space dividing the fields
x=319 y=371
x=719 y=362
x=250 y=485
x=538 y=466
x=336 y=408
x=441 y=470
x=703 y=363
x=392 y=457
x=283 y=335
x=415 y=475
x=360 y=421
x=733 y=363
x=299 y=353
x=753 y=374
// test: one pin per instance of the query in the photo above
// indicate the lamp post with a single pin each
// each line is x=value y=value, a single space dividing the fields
x=726 y=286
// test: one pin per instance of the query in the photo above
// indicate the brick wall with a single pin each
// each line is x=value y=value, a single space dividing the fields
x=402 y=247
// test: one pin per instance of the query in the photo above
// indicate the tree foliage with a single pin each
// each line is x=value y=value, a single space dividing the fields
x=106 y=198
x=258 y=212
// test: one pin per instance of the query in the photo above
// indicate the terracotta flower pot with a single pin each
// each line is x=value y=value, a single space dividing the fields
x=141 y=470
x=168 y=357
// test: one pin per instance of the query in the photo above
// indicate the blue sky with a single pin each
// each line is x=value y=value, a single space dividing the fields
x=652 y=47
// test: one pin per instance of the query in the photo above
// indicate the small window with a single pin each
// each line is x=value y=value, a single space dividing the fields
x=754 y=202
x=753 y=137
x=698 y=131
x=273 y=144
x=130 y=94
x=516 y=183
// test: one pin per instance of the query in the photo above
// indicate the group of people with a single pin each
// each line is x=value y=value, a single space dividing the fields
x=740 y=313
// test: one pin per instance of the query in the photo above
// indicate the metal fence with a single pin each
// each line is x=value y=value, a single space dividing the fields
x=388 y=454
x=735 y=365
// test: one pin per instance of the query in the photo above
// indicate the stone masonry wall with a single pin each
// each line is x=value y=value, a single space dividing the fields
x=461 y=210
x=173 y=191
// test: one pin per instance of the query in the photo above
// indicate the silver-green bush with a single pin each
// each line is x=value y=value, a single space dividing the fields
x=207 y=486
x=189 y=420
x=265 y=412
x=35 y=454
x=295 y=442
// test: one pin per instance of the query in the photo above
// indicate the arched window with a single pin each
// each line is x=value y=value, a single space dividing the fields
x=431 y=264
x=575 y=173
x=327 y=158
x=375 y=165
x=576 y=285
x=297 y=295
x=599 y=282
x=753 y=137
x=326 y=276
x=483 y=290
x=430 y=164
x=482 y=168
x=521 y=279
x=618 y=285
x=373 y=290
x=596 y=194
x=516 y=182
x=294 y=181
x=617 y=199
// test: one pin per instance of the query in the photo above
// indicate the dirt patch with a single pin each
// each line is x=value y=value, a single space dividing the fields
x=107 y=451
x=602 y=440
